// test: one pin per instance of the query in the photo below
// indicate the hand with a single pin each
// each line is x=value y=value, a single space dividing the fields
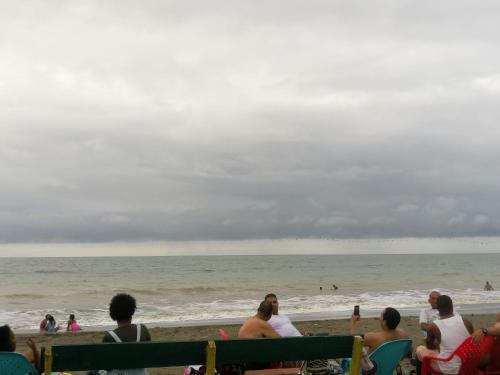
x=477 y=336
x=354 y=318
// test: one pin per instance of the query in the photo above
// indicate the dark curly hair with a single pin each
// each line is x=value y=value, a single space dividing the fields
x=122 y=307
x=5 y=342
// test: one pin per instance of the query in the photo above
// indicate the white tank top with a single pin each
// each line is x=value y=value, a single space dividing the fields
x=453 y=333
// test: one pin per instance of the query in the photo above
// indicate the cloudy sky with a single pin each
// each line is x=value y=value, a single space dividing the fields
x=231 y=120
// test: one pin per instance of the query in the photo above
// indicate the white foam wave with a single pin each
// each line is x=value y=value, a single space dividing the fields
x=322 y=305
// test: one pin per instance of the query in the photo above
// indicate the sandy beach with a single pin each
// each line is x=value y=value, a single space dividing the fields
x=334 y=327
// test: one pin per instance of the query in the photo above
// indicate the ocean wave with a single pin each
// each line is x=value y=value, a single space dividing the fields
x=324 y=306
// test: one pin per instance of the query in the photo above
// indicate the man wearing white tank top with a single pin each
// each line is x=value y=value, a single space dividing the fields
x=280 y=323
x=447 y=333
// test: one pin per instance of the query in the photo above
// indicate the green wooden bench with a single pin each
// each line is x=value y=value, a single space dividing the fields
x=80 y=357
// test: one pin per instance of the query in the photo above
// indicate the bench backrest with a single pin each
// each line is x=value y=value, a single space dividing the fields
x=78 y=357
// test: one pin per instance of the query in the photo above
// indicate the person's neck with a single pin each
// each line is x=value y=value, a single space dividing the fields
x=446 y=316
x=122 y=323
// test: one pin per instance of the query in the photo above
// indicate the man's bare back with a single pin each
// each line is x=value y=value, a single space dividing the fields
x=256 y=327
x=374 y=339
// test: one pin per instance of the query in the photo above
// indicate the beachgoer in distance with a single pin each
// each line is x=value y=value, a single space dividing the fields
x=257 y=325
x=51 y=326
x=488 y=287
x=43 y=323
x=8 y=344
x=48 y=324
x=429 y=315
x=446 y=333
x=73 y=326
x=280 y=323
x=389 y=321
x=121 y=309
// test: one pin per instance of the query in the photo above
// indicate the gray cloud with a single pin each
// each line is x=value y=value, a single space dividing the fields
x=171 y=121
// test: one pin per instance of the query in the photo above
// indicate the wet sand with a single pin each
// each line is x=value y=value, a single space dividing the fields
x=333 y=327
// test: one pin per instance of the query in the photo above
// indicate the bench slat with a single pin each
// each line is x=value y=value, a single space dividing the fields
x=181 y=353
x=285 y=348
x=127 y=355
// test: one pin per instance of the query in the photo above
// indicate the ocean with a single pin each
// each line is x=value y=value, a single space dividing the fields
x=190 y=290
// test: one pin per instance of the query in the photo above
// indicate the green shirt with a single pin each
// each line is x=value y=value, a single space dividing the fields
x=128 y=333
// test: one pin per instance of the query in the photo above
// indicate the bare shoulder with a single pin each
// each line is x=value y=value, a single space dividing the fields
x=402 y=334
x=372 y=339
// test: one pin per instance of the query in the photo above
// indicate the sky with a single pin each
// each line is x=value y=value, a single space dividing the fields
x=225 y=121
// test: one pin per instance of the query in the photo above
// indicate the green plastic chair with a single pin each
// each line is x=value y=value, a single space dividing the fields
x=389 y=354
x=15 y=364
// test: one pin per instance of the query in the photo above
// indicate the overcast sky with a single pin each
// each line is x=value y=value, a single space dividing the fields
x=229 y=120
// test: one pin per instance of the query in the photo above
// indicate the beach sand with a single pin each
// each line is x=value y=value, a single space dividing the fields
x=334 y=327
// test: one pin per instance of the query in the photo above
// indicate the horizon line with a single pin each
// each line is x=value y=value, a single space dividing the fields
x=283 y=246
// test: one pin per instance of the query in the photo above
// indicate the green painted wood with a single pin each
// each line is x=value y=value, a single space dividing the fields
x=127 y=355
x=182 y=353
x=286 y=349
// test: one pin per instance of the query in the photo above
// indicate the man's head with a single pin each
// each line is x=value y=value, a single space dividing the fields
x=265 y=310
x=445 y=305
x=390 y=318
x=7 y=339
x=122 y=307
x=433 y=297
x=273 y=300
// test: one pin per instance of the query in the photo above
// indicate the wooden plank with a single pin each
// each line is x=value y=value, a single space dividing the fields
x=285 y=348
x=182 y=353
x=127 y=355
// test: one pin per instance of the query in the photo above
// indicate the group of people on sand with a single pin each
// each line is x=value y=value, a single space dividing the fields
x=443 y=328
x=49 y=325
x=121 y=309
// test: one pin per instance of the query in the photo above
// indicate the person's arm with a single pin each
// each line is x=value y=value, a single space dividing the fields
x=479 y=334
x=147 y=335
x=423 y=320
x=268 y=331
x=370 y=340
x=433 y=337
x=354 y=324
x=468 y=325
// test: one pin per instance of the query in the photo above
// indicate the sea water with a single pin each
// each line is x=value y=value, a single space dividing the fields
x=192 y=290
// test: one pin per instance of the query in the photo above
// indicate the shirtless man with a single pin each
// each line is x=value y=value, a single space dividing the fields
x=389 y=320
x=257 y=325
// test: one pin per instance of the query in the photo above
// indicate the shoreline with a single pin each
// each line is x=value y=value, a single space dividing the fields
x=472 y=309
